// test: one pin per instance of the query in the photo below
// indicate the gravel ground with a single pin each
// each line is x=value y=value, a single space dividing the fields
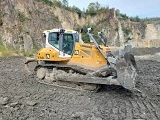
x=22 y=98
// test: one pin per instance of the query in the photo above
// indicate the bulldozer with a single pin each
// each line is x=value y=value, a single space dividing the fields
x=67 y=61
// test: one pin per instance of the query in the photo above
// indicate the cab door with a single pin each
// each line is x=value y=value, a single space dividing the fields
x=66 y=46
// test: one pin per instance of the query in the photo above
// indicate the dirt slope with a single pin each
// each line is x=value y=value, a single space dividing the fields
x=22 y=98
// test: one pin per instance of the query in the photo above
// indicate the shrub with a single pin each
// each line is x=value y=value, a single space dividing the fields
x=21 y=16
x=48 y=2
x=30 y=53
x=127 y=31
x=1 y=22
x=4 y=51
x=116 y=29
x=8 y=50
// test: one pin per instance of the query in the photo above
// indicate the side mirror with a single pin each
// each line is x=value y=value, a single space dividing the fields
x=90 y=30
x=99 y=33
x=44 y=35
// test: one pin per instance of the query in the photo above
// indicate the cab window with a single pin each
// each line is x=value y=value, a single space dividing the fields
x=68 y=43
x=53 y=39
x=76 y=37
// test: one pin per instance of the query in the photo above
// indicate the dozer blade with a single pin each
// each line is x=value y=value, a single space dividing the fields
x=126 y=75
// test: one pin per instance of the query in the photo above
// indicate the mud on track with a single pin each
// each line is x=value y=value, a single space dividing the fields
x=22 y=98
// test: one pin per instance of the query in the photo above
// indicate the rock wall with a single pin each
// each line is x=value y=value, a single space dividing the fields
x=152 y=31
x=22 y=24
x=152 y=36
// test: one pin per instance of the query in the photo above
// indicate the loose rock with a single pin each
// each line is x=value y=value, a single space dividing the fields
x=4 y=100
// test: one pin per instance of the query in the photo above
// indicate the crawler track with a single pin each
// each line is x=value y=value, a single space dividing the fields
x=51 y=74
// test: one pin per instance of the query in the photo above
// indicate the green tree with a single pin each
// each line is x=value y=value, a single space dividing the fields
x=135 y=19
x=77 y=10
x=93 y=8
x=48 y=2
x=97 y=6
x=117 y=12
x=65 y=3
x=56 y=2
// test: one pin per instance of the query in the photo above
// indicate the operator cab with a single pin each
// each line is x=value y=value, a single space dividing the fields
x=62 y=41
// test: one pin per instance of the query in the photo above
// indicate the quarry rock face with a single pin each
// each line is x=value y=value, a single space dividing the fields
x=22 y=24
x=152 y=31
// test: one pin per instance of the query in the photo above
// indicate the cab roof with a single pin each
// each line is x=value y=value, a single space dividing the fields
x=58 y=30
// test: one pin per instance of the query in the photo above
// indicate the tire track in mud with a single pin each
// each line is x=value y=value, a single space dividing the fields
x=131 y=109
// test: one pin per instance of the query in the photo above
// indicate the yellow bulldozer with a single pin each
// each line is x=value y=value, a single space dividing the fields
x=67 y=61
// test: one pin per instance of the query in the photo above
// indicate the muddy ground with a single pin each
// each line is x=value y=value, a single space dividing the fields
x=22 y=98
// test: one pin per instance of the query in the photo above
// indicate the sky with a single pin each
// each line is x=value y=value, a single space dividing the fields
x=132 y=8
